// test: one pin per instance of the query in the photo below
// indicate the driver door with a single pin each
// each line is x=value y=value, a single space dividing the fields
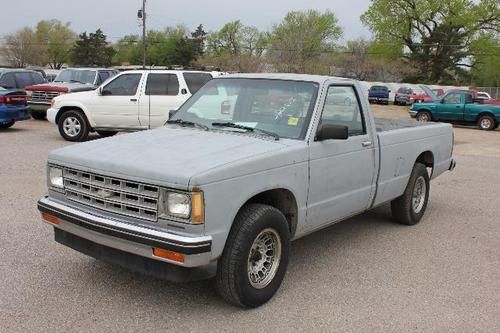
x=117 y=105
x=451 y=108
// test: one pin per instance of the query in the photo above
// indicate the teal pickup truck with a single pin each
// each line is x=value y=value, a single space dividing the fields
x=458 y=107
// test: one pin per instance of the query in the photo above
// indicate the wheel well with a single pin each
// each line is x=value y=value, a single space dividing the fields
x=284 y=201
x=486 y=114
x=67 y=108
x=427 y=159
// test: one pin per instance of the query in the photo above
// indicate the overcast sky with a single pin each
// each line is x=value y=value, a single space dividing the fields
x=119 y=17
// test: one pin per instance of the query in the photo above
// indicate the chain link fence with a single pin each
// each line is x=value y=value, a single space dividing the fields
x=493 y=91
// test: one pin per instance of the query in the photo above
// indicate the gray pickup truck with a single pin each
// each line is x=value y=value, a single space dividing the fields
x=248 y=164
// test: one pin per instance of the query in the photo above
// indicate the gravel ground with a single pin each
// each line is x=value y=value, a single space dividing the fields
x=366 y=274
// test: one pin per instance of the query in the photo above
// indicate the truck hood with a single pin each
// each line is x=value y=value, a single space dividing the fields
x=168 y=156
x=61 y=87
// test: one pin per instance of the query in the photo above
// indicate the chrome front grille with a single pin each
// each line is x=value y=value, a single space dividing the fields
x=43 y=96
x=112 y=194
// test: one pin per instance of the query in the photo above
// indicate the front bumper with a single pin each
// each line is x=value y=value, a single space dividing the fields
x=126 y=237
x=51 y=115
x=39 y=106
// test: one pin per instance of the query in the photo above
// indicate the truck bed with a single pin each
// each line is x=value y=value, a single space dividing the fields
x=384 y=124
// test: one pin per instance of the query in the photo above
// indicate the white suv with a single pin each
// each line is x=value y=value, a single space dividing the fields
x=130 y=101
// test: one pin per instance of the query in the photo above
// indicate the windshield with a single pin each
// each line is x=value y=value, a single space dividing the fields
x=75 y=75
x=280 y=107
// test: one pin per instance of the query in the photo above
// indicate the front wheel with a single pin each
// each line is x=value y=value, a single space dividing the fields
x=7 y=125
x=424 y=116
x=486 y=123
x=410 y=207
x=73 y=126
x=255 y=258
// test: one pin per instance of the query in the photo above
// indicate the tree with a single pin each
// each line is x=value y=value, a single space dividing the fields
x=92 y=50
x=436 y=35
x=199 y=36
x=21 y=48
x=56 y=40
x=298 y=42
x=486 y=71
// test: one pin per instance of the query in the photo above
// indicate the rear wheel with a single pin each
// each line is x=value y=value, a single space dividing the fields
x=410 y=207
x=73 y=126
x=38 y=115
x=255 y=257
x=7 y=125
x=106 y=134
x=424 y=116
x=486 y=123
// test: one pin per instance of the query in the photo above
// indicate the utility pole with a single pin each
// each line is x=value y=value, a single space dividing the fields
x=141 y=14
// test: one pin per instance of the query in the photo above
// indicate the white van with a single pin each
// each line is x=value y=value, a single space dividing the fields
x=132 y=100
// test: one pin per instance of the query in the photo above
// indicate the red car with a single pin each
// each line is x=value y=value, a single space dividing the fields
x=422 y=97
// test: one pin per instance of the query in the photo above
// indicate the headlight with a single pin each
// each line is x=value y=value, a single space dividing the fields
x=182 y=205
x=56 y=177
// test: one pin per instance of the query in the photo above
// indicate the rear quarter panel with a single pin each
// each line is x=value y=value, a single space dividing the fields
x=399 y=150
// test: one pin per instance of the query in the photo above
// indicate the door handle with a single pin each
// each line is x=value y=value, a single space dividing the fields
x=133 y=99
x=366 y=143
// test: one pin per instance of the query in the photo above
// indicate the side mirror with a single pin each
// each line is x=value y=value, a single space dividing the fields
x=388 y=91
x=332 y=132
x=171 y=113
x=105 y=92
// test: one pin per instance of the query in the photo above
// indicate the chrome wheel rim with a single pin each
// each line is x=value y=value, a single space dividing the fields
x=419 y=193
x=264 y=258
x=71 y=126
x=423 y=117
x=485 y=123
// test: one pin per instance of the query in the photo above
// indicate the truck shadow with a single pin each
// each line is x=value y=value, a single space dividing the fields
x=308 y=254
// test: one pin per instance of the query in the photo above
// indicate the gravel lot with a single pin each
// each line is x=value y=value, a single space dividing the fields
x=366 y=274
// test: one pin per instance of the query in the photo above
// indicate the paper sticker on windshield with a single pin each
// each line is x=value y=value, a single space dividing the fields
x=247 y=124
x=293 y=121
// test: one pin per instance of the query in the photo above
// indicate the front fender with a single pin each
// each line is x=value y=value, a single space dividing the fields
x=74 y=105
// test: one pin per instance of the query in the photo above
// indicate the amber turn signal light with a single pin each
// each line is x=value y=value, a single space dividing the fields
x=50 y=218
x=166 y=254
x=197 y=208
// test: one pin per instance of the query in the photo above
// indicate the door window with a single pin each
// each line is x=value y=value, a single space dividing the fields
x=37 y=78
x=195 y=81
x=124 y=85
x=101 y=77
x=8 y=81
x=23 y=79
x=342 y=108
x=452 y=99
x=162 y=84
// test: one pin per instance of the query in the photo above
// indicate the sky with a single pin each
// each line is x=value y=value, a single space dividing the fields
x=119 y=17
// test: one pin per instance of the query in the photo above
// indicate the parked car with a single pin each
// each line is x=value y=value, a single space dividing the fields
x=224 y=198
x=438 y=91
x=67 y=81
x=458 y=106
x=484 y=95
x=379 y=94
x=18 y=78
x=404 y=96
x=133 y=100
x=13 y=107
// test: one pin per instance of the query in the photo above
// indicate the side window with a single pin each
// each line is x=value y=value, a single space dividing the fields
x=23 y=79
x=342 y=108
x=37 y=78
x=162 y=85
x=195 y=81
x=102 y=76
x=452 y=99
x=468 y=99
x=124 y=85
x=8 y=80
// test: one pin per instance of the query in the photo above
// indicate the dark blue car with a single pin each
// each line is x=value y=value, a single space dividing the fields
x=378 y=94
x=13 y=107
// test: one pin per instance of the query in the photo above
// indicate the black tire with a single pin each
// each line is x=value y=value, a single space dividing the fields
x=233 y=281
x=38 y=115
x=396 y=102
x=424 y=116
x=106 y=134
x=404 y=209
x=486 y=123
x=7 y=125
x=77 y=118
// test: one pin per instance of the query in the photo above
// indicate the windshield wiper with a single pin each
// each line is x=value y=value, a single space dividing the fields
x=247 y=128
x=187 y=123
x=77 y=81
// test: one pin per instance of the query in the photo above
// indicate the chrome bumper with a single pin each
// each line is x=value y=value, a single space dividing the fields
x=126 y=237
